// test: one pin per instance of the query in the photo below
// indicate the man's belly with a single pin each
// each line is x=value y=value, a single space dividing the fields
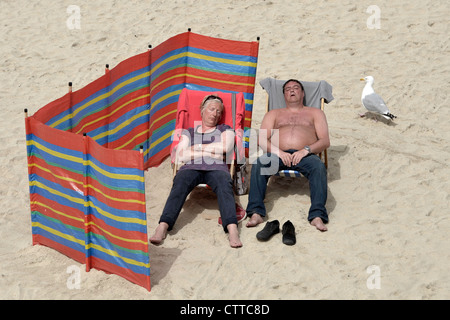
x=293 y=137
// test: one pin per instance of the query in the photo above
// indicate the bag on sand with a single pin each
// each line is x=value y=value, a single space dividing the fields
x=240 y=182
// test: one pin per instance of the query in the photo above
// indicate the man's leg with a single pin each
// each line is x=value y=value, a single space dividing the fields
x=316 y=173
x=220 y=182
x=264 y=167
x=183 y=183
x=222 y=185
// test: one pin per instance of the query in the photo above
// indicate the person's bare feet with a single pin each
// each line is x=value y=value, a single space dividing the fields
x=160 y=233
x=318 y=223
x=233 y=236
x=255 y=219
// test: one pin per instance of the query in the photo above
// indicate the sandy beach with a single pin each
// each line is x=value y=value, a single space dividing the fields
x=388 y=181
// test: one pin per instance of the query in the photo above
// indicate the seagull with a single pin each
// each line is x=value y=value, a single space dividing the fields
x=372 y=101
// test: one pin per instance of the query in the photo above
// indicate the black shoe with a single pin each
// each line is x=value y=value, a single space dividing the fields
x=271 y=228
x=288 y=233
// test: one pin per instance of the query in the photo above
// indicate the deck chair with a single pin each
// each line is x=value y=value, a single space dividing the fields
x=316 y=95
x=188 y=111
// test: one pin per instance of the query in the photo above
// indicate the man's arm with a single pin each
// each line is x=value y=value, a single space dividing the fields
x=323 y=138
x=212 y=150
x=225 y=146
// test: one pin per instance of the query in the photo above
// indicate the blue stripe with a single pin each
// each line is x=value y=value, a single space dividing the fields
x=123 y=131
x=128 y=226
x=102 y=103
x=78 y=234
x=118 y=262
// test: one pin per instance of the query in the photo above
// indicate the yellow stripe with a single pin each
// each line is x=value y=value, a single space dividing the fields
x=132 y=139
x=84 y=185
x=202 y=78
x=162 y=117
x=103 y=96
x=117 y=176
x=56 y=211
x=54 y=153
x=154 y=86
x=58 y=233
x=164 y=137
x=115 y=254
x=203 y=57
x=55 y=175
x=110 y=114
x=89 y=246
x=122 y=125
x=221 y=81
x=114 y=236
x=222 y=60
x=56 y=192
x=86 y=163
x=89 y=203
x=117 y=218
x=170 y=94
x=115 y=199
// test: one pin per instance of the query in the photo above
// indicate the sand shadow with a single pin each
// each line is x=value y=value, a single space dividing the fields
x=284 y=187
x=161 y=261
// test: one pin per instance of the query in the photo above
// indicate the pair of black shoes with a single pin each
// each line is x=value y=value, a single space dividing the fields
x=273 y=227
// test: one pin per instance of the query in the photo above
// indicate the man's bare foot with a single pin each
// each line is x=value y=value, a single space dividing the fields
x=255 y=219
x=160 y=233
x=233 y=236
x=318 y=223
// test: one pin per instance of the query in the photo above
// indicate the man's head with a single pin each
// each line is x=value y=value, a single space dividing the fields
x=294 y=81
x=293 y=92
x=212 y=109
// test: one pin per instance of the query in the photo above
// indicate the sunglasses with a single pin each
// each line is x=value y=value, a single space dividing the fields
x=212 y=97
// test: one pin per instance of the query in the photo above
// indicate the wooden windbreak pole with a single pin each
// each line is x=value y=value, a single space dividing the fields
x=87 y=235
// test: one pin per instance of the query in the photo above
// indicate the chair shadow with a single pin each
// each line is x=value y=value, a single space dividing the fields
x=198 y=201
x=286 y=186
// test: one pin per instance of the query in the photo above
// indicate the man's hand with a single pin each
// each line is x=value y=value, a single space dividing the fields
x=292 y=159
x=298 y=156
x=286 y=158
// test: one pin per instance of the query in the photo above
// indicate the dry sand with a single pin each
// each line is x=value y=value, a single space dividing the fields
x=388 y=181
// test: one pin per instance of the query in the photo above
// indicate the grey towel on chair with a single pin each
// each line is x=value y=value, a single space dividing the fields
x=314 y=91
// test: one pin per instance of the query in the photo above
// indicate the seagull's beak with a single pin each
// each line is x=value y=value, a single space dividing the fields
x=362 y=79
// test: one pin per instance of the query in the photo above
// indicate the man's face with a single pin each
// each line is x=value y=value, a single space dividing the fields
x=212 y=113
x=293 y=92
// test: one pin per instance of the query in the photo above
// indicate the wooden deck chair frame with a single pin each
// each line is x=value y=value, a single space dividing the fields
x=188 y=111
x=322 y=94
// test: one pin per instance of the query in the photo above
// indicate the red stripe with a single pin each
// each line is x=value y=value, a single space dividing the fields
x=139 y=279
x=223 y=77
x=134 y=235
x=223 y=45
x=158 y=158
x=176 y=42
x=54 y=136
x=53 y=108
x=67 y=251
x=159 y=85
x=57 y=207
x=122 y=103
x=115 y=158
x=129 y=65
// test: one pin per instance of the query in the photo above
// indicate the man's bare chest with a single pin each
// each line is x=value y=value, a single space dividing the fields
x=284 y=120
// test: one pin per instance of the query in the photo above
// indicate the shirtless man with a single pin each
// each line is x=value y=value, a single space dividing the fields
x=291 y=137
